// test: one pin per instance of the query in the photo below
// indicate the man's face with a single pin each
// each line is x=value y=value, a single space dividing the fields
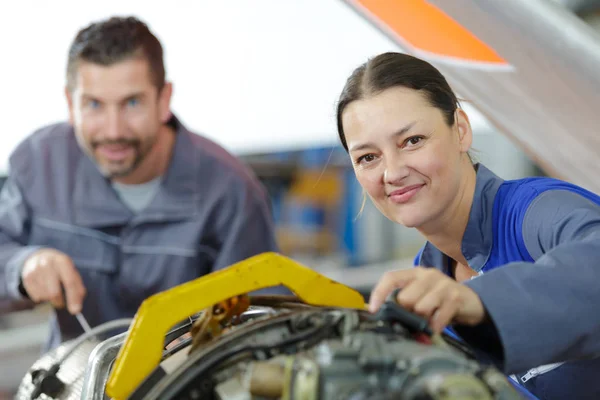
x=117 y=112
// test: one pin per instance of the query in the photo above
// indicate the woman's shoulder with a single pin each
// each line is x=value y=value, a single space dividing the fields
x=520 y=193
x=541 y=212
x=534 y=203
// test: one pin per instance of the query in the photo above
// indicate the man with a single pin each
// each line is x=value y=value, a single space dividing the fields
x=123 y=201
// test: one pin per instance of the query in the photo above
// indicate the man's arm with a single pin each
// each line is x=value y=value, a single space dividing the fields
x=547 y=311
x=14 y=232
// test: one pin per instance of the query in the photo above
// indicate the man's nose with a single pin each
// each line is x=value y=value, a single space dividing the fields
x=114 y=128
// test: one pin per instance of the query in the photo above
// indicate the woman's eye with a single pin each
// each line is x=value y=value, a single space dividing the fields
x=414 y=140
x=366 y=158
x=369 y=157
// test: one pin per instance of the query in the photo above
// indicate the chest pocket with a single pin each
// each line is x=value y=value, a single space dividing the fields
x=88 y=248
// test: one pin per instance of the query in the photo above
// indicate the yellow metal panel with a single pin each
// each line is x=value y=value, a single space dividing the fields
x=142 y=350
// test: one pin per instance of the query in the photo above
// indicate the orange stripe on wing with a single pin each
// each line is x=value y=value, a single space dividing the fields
x=426 y=28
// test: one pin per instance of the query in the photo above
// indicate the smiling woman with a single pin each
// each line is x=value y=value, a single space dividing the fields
x=399 y=137
x=535 y=238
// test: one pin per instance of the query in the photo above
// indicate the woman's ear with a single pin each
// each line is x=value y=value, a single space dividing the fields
x=465 y=134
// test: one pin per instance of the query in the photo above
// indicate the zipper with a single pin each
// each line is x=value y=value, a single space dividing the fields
x=532 y=373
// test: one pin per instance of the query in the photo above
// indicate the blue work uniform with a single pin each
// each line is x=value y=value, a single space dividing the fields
x=209 y=211
x=535 y=243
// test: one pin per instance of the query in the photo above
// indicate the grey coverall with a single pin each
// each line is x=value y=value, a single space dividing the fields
x=208 y=213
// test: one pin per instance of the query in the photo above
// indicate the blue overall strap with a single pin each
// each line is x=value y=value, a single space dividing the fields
x=522 y=391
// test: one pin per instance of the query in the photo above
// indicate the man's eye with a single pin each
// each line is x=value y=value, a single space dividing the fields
x=132 y=102
x=94 y=104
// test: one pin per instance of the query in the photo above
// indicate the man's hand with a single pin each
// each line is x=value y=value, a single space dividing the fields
x=431 y=294
x=46 y=272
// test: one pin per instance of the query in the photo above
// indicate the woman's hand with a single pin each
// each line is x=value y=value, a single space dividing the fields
x=432 y=295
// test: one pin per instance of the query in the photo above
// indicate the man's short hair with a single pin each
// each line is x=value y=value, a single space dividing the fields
x=113 y=40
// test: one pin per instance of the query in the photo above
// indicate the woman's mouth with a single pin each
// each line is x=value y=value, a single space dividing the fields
x=403 y=195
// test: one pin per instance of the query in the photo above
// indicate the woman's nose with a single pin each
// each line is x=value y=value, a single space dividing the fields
x=395 y=171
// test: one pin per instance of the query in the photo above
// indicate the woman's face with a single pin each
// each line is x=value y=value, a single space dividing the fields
x=405 y=156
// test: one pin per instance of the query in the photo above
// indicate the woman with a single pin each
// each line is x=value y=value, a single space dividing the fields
x=512 y=265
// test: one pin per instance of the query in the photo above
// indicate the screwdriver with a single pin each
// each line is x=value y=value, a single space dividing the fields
x=83 y=322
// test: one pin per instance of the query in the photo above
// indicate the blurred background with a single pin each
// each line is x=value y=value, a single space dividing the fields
x=262 y=79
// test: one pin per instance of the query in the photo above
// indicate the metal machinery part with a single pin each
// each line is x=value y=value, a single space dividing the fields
x=280 y=347
x=71 y=373
x=331 y=354
x=98 y=367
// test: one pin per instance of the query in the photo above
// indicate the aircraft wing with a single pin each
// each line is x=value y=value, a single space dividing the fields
x=531 y=67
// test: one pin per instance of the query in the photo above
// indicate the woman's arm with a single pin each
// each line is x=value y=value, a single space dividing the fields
x=548 y=311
